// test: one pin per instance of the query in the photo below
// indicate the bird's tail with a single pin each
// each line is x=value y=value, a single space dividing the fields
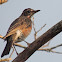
x=7 y=48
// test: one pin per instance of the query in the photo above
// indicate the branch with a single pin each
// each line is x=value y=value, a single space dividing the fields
x=41 y=49
x=52 y=32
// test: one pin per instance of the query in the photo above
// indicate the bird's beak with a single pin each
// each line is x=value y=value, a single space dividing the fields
x=36 y=11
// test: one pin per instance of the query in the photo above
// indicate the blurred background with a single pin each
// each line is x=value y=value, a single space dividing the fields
x=50 y=14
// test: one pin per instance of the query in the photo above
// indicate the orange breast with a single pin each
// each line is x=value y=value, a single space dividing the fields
x=27 y=31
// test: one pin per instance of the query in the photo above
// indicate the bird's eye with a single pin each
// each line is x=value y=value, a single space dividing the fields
x=28 y=11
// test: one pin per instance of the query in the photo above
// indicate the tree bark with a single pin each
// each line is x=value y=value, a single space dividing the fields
x=52 y=32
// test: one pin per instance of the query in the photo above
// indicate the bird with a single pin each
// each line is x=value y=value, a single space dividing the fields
x=19 y=29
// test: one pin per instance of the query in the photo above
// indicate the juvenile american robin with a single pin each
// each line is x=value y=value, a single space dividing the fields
x=19 y=29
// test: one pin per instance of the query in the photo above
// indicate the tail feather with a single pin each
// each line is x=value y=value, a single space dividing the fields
x=7 y=48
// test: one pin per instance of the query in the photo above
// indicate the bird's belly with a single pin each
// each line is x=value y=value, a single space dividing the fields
x=20 y=39
x=25 y=33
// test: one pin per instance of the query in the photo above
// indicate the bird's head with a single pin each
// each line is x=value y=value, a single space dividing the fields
x=29 y=12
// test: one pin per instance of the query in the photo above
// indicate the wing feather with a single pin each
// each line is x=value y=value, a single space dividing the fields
x=13 y=27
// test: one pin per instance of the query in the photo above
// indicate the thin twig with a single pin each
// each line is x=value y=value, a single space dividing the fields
x=41 y=28
x=34 y=27
x=51 y=49
x=40 y=49
x=27 y=43
x=35 y=35
x=46 y=45
x=7 y=59
x=1 y=36
x=16 y=44
x=3 y=1
x=56 y=52
x=56 y=46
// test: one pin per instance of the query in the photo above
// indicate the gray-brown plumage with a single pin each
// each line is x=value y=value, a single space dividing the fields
x=19 y=29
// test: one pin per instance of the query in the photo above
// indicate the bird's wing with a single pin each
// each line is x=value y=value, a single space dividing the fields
x=13 y=27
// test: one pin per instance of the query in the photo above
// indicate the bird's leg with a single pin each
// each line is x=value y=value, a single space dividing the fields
x=15 y=50
x=12 y=52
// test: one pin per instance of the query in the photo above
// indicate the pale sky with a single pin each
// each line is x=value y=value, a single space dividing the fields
x=50 y=14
